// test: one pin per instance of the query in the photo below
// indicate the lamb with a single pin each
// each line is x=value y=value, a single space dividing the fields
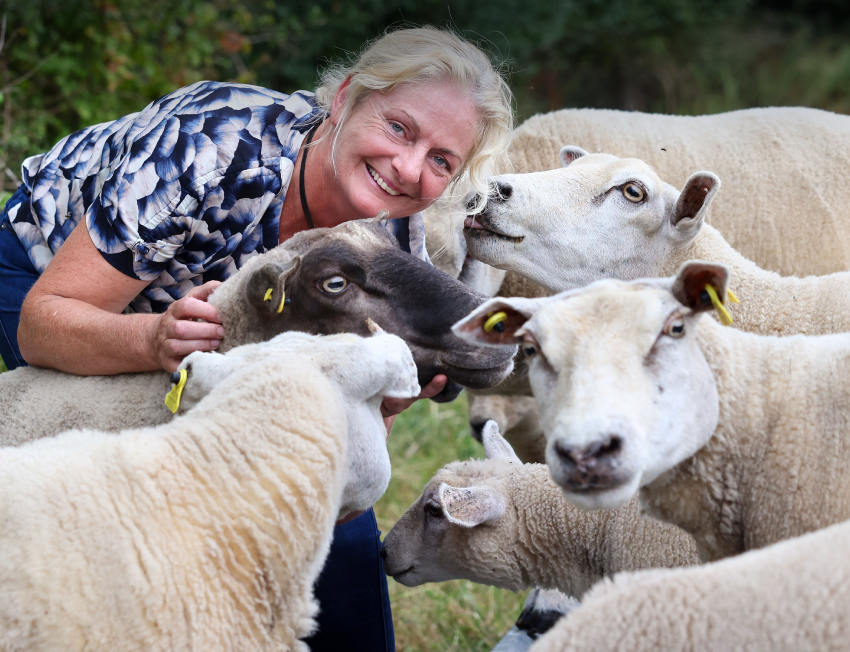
x=324 y=281
x=206 y=532
x=737 y=438
x=604 y=216
x=791 y=595
x=504 y=523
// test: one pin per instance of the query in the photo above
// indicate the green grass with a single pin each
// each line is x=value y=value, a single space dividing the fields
x=450 y=616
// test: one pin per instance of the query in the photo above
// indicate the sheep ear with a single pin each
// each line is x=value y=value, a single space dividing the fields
x=497 y=447
x=570 y=153
x=471 y=506
x=266 y=286
x=689 y=286
x=497 y=320
x=689 y=212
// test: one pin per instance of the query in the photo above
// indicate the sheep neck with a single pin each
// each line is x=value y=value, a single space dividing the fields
x=754 y=482
x=772 y=304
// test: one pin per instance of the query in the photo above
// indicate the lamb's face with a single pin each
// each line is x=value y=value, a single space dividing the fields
x=600 y=216
x=623 y=388
x=455 y=529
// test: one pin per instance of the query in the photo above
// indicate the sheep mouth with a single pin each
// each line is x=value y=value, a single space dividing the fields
x=399 y=576
x=480 y=226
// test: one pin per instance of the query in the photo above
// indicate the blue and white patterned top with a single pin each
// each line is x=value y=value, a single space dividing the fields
x=180 y=193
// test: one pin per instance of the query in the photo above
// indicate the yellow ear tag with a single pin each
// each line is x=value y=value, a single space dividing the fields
x=268 y=297
x=725 y=317
x=496 y=322
x=172 y=399
x=732 y=297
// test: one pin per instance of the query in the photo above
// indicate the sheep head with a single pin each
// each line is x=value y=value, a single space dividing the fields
x=332 y=280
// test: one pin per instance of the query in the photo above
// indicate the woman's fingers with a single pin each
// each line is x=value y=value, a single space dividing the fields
x=189 y=324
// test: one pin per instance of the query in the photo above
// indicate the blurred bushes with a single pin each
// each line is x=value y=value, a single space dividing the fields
x=67 y=64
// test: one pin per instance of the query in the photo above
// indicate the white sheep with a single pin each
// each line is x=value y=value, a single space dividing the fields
x=600 y=216
x=603 y=216
x=785 y=195
x=206 y=532
x=739 y=439
x=792 y=595
x=504 y=523
x=784 y=198
x=323 y=280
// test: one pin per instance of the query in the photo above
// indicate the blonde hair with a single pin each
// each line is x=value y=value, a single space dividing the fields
x=419 y=54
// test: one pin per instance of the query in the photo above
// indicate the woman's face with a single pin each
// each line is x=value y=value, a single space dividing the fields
x=398 y=151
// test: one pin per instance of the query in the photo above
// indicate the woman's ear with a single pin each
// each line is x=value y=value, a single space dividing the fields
x=338 y=102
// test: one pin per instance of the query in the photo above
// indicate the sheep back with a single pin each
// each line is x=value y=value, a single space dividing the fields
x=784 y=196
x=206 y=532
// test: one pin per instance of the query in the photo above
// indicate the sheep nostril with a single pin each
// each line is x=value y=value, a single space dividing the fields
x=568 y=455
x=477 y=427
x=605 y=448
x=503 y=191
x=472 y=201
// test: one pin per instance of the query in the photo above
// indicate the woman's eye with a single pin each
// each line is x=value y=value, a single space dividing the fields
x=634 y=192
x=433 y=509
x=334 y=284
x=396 y=128
x=442 y=162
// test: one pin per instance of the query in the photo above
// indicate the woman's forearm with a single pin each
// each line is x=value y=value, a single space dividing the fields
x=76 y=337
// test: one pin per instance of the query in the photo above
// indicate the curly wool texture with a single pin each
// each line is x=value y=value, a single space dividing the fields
x=209 y=531
x=206 y=532
x=540 y=540
x=792 y=595
x=775 y=466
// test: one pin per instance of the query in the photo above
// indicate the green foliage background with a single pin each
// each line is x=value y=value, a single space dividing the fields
x=70 y=63
x=65 y=64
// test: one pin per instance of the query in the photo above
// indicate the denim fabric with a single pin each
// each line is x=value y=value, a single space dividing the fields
x=354 y=604
x=17 y=276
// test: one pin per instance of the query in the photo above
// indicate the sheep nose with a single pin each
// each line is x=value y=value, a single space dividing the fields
x=477 y=427
x=472 y=200
x=588 y=458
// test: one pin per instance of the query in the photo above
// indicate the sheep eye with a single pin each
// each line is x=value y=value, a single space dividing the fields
x=634 y=192
x=334 y=284
x=529 y=349
x=434 y=509
x=675 y=327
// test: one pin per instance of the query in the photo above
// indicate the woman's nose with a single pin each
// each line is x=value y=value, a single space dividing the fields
x=408 y=163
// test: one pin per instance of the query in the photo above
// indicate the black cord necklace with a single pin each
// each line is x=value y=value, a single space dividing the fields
x=307 y=216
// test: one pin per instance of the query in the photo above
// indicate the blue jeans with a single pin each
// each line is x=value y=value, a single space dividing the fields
x=354 y=603
x=17 y=276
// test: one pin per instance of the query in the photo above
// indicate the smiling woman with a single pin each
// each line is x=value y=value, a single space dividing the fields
x=123 y=229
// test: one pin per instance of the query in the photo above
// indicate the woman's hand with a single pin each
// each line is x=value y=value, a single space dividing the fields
x=391 y=407
x=189 y=324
